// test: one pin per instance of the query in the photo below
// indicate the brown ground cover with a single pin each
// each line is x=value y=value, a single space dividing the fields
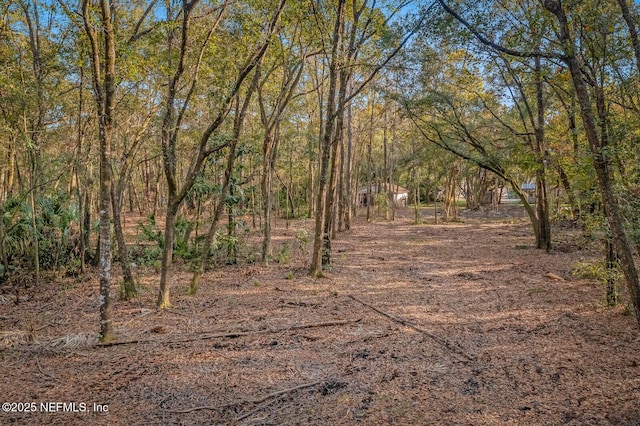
x=462 y=323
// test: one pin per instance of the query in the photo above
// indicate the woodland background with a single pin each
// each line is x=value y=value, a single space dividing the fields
x=206 y=120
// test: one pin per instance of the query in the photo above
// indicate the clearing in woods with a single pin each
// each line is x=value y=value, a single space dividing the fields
x=462 y=323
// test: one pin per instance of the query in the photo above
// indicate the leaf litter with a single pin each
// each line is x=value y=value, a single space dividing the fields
x=413 y=324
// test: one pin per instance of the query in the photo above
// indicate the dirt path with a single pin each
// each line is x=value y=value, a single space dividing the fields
x=447 y=324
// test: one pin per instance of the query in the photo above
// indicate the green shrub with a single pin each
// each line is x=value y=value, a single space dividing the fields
x=284 y=255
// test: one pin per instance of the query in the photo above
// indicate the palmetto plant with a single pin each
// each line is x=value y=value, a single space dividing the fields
x=53 y=230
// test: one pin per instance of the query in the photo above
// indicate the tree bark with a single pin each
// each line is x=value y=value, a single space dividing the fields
x=104 y=92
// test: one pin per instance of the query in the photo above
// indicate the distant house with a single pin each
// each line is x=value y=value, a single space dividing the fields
x=529 y=189
x=400 y=195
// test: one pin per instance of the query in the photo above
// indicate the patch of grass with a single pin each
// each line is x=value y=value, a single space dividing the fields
x=284 y=254
x=590 y=271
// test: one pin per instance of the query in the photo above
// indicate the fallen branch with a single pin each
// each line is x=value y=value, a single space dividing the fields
x=255 y=410
x=200 y=408
x=273 y=395
x=228 y=335
x=253 y=401
x=451 y=346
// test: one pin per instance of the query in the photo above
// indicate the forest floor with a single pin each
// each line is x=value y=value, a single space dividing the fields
x=460 y=323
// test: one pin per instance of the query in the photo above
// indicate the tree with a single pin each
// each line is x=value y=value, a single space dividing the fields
x=103 y=62
x=287 y=67
x=599 y=145
x=586 y=61
x=174 y=115
x=323 y=194
x=349 y=41
x=241 y=112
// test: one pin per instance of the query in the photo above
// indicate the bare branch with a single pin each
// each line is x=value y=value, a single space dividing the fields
x=136 y=31
x=484 y=40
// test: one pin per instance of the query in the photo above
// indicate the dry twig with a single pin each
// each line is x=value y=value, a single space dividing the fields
x=44 y=373
x=452 y=347
x=228 y=335
x=253 y=401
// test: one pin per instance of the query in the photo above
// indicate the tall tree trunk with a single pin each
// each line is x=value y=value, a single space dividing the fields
x=435 y=204
x=450 y=208
x=370 y=160
x=311 y=177
x=80 y=174
x=416 y=198
x=34 y=226
x=270 y=146
x=332 y=190
x=349 y=184
x=164 y=300
x=319 y=240
x=291 y=189
x=9 y=173
x=611 y=264
x=86 y=226
x=128 y=288
x=385 y=165
x=543 y=236
x=104 y=92
x=253 y=198
x=232 y=248
x=271 y=121
x=392 y=166
x=330 y=198
x=341 y=189
x=266 y=185
x=106 y=123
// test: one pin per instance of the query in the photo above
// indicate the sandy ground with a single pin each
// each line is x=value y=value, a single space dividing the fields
x=463 y=323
